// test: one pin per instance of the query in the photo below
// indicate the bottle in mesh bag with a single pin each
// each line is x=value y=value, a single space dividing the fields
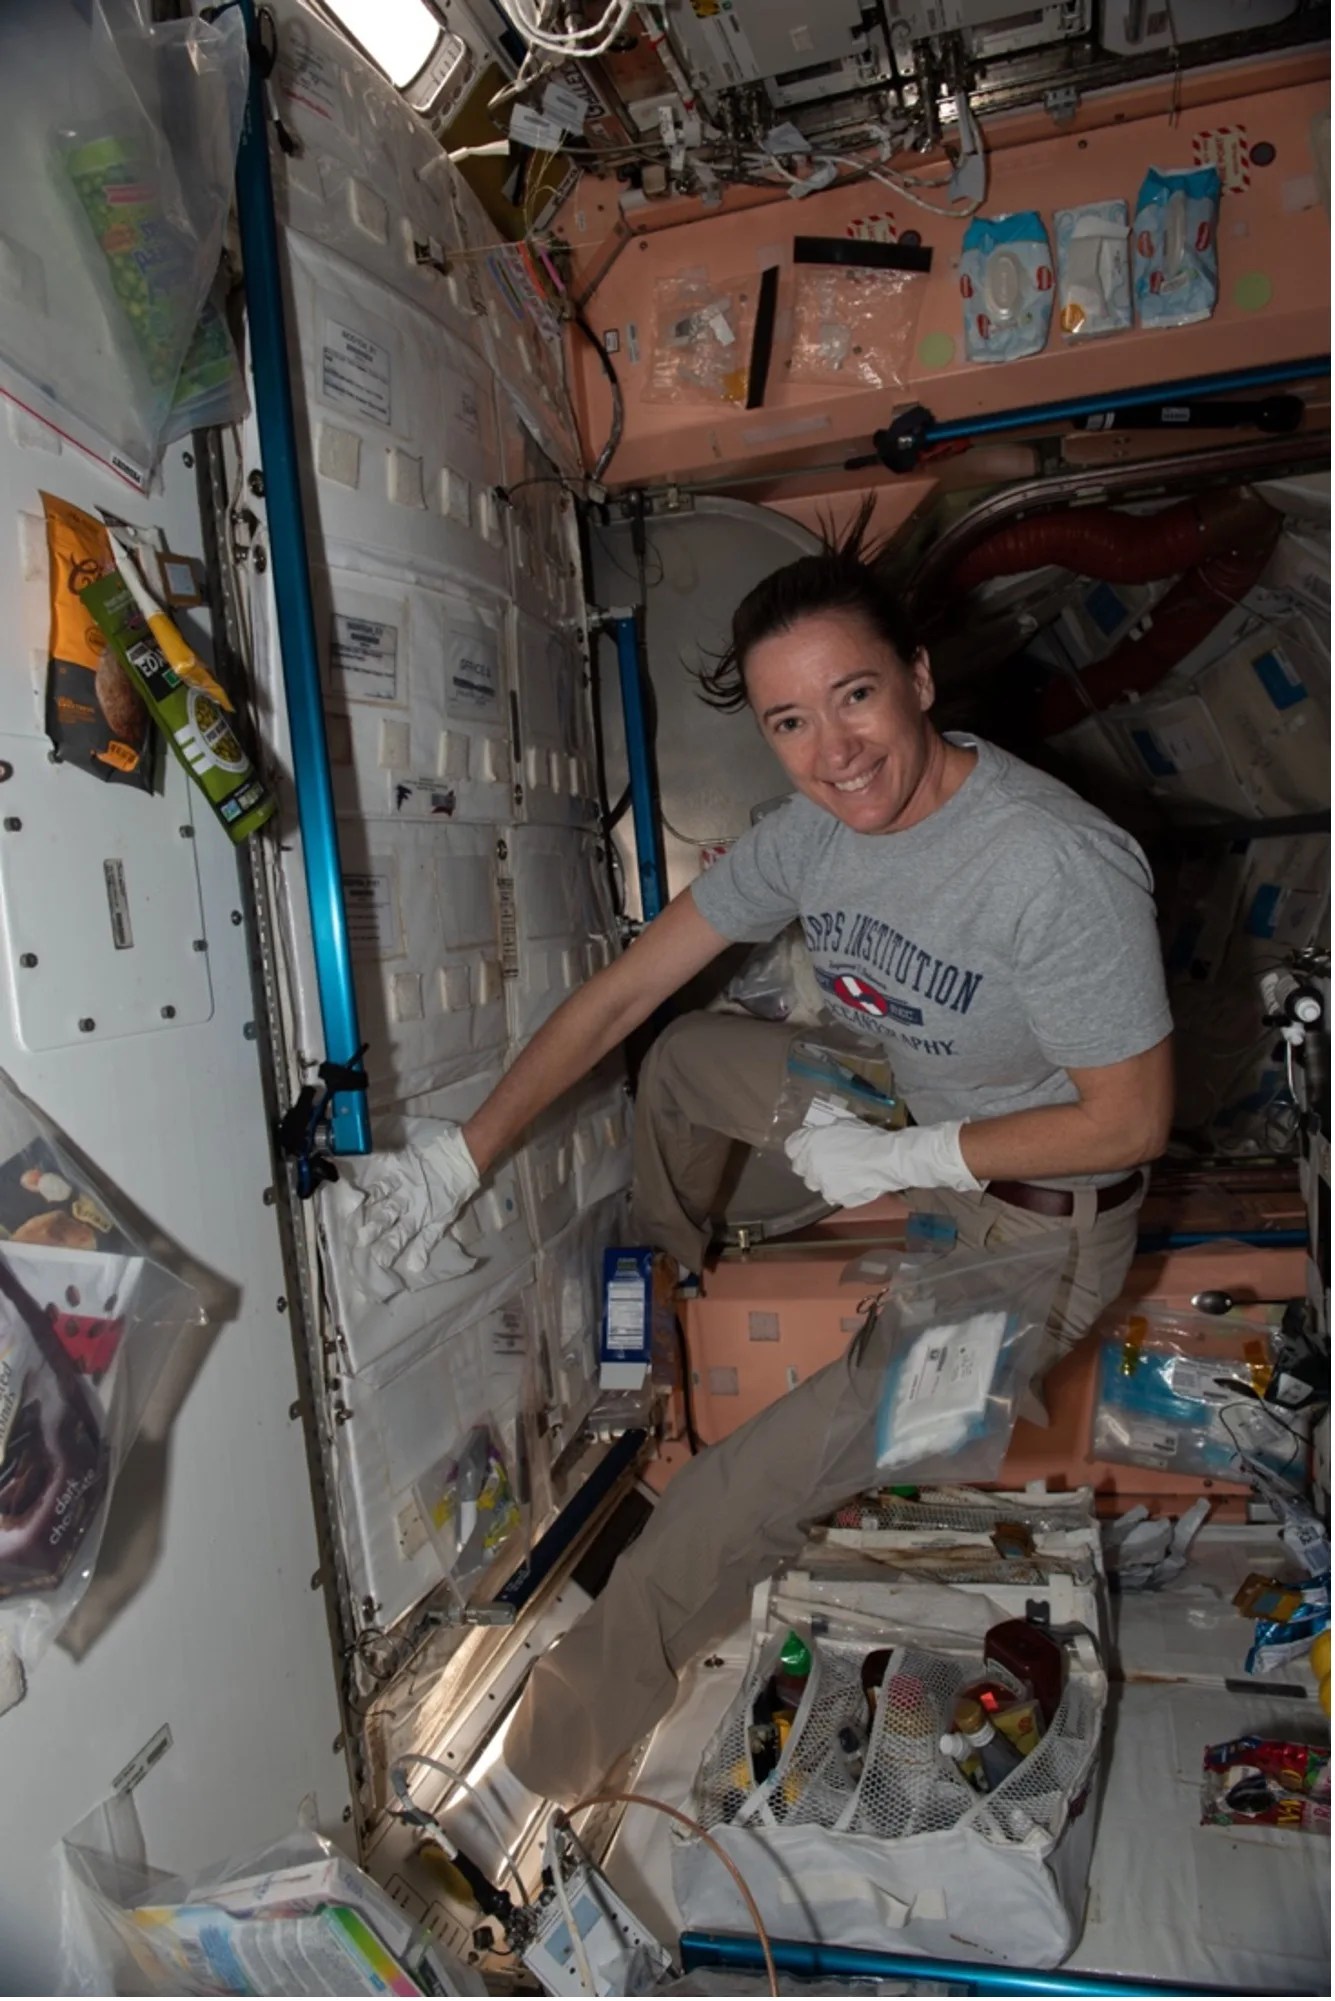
x=908 y=1749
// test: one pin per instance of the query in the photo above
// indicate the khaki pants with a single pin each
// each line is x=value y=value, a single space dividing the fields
x=708 y=1090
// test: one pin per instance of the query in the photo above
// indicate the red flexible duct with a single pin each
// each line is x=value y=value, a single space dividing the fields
x=1119 y=548
x=1183 y=617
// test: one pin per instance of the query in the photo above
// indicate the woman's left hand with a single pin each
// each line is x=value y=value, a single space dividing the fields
x=850 y=1162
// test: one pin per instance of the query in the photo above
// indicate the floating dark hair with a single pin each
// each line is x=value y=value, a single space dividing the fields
x=847 y=574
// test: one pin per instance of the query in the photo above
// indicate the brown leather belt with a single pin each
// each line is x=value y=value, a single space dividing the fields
x=1060 y=1201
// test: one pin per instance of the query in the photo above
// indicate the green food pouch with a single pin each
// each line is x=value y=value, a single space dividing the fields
x=202 y=736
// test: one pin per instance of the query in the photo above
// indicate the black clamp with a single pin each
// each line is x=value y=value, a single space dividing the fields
x=901 y=445
x=299 y=1128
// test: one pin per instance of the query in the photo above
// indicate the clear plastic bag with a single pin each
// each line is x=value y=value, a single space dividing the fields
x=1093 y=270
x=853 y=328
x=293 y=1917
x=778 y=982
x=469 y=1505
x=1180 y=1391
x=702 y=339
x=117 y=155
x=831 y=1073
x=87 y=1317
x=966 y=1336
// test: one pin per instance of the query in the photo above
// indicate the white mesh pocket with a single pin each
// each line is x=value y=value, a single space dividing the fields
x=726 y=1780
x=813 y=1783
x=1039 y=1792
x=908 y=1785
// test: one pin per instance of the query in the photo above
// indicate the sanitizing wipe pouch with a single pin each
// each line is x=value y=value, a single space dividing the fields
x=969 y=1334
x=1093 y=270
x=1177 y=247
x=1006 y=285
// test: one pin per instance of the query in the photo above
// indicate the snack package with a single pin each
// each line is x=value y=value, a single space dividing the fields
x=968 y=1336
x=1276 y=1642
x=86 y=1320
x=1176 y=247
x=1183 y=1391
x=1093 y=270
x=1006 y=283
x=1264 y=1782
x=95 y=716
x=203 y=738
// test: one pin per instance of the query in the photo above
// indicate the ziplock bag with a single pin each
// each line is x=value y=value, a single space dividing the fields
x=1006 y=285
x=1180 y=1391
x=86 y=1318
x=853 y=328
x=117 y=158
x=1093 y=270
x=1177 y=247
x=702 y=339
x=831 y=1073
x=467 y=1500
x=292 y=1917
x=967 y=1336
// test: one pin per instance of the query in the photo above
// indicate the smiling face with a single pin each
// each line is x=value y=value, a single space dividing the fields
x=848 y=721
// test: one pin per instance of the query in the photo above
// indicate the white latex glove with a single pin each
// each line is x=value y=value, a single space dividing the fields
x=850 y=1162
x=393 y=1210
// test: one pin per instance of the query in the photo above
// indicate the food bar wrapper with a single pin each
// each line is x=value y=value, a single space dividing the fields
x=94 y=715
x=1176 y=245
x=1006 y=284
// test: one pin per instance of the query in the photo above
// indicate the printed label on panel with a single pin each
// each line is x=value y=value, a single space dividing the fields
x=374 y=931
x=364 y=658
x=355 y=373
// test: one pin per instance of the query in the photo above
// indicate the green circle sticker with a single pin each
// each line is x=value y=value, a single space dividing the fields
x=1253 y=292
x=936 y=350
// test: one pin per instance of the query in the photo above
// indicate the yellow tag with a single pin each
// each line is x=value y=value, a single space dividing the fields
x=118 y=755
x=1133 y=1348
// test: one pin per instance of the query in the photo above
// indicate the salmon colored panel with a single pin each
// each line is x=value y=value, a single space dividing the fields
x=1273 y=306
x=763 y=1324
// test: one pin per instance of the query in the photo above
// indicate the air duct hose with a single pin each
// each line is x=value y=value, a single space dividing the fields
x=1118 y=548
x=1183 y=617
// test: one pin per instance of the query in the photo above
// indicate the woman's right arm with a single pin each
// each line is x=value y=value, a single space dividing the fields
x=602 y=1013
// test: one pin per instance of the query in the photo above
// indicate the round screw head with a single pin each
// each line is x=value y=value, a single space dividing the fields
x=87 y=1025
x=168 y=1013
x=199 y=945
x=13 y=826
x=28 y=959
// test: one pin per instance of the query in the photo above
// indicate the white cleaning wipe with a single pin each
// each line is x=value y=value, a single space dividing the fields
x=1093 y=269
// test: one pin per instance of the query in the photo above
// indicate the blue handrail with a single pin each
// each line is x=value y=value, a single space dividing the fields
x=649 y=856
x=1071 y=407
x=350 y=1124
x=832 y=1962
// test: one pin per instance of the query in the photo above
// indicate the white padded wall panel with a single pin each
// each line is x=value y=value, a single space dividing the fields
x=555 y=773
x=403 y=424
x=564 y=927
x=408 y=1414
x=419 y=675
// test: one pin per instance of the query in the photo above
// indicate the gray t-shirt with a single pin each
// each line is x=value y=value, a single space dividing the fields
x=1005 y=939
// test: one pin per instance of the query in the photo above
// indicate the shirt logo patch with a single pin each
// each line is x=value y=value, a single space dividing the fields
x=856 y=992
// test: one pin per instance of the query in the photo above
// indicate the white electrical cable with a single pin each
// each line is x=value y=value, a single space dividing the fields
x=552 y=1858
x=399 y=1781
x=900 y=186
x=584 y=43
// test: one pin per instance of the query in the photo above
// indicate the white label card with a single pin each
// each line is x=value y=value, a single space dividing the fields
x=355 y=373
x=373 y=916
x=564 y=106
x=473 y=684
x=529 y=128
x=364 y=654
